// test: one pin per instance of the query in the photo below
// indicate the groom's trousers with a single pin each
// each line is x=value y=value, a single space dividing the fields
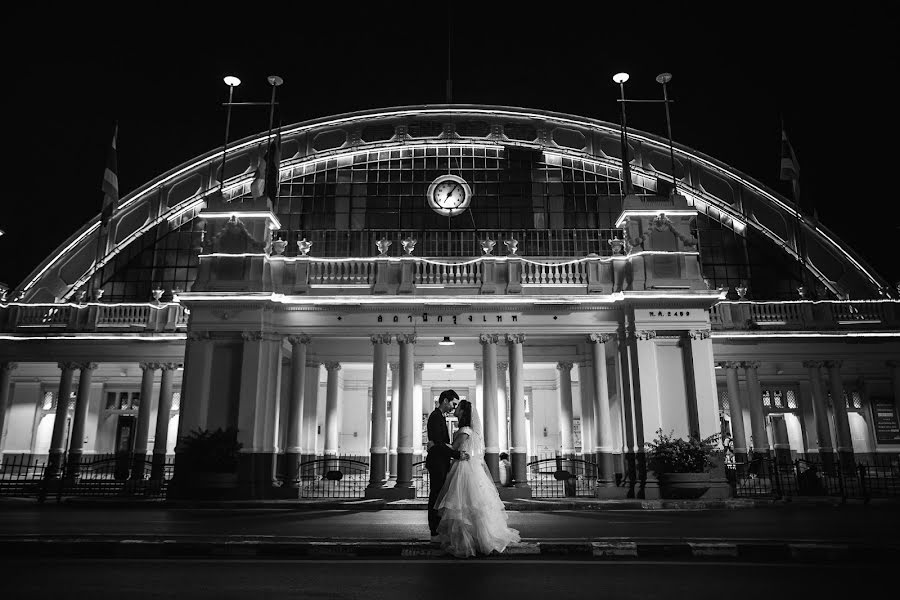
x=437 y=474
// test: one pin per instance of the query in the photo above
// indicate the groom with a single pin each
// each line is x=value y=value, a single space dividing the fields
x=439 y=454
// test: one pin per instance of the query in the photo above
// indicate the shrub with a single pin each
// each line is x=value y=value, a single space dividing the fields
x=212 y=451
x=668 y=454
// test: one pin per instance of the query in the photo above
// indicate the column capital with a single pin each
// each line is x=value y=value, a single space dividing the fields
x=394 y=366
x=419 y=366
x=644 y=334
x=85 y=366
x=381 y=338
x=9 y=366
x=477 y=365
x=752 y=364
x=813 y=364
x=502 y=365
x=312 y=363
x=67 y=365
x=299 y=339
x=149 y=366
x=406 y=338
x=515 y=338
x=332 y=365
x=198 y=336
x=834 y=364
x=729 y=364
x=564 y=365
x=599 y=338
x=169 y=366
x=252 y=336
x=488 y=338
x=699 y=334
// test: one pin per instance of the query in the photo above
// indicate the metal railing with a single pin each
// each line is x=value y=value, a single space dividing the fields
x=872 y=477
x=332 y=477
x=560 y=477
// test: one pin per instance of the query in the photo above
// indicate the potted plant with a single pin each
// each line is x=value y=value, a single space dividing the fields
x=682 y=465
x=211 y=457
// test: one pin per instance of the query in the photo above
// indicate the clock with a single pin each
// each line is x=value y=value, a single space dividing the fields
x=449 y=195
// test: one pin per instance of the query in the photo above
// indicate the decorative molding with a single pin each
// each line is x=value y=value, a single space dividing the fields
x=299 y=339
x=833 y=364
x=67 y=365
x=381 y=338
x=394 y=366
x=406 y=338
x=9 y=366
x=502 y=365
x=149 y=366
x=752 y=364
x=699 y=334
x=312 y=363
x=489 y=338
x=515 y=338
x=419 y=366
x=198 y=336
x=645 y=335
x=332 y=365
x=252 y=336
x=565 y=366
x=85 y=366
x=169 y=366
x=599 y=338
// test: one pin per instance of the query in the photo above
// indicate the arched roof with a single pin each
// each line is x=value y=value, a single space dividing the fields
x=736 y=200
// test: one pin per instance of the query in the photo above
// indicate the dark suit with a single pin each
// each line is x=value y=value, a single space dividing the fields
x=437 y=462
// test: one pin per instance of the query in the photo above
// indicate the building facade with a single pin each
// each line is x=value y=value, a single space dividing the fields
x=582 y=320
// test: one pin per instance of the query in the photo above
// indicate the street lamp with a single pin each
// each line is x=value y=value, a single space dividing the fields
x=663 y=79
x=232 y=82
x=627 y=188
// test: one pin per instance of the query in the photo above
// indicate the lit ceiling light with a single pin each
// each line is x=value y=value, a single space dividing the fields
x=232 y=81
x=446 y=342
x=449 y=367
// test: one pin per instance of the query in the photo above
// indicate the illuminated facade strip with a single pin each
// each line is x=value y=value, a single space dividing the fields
x=160 y=337
x=801 y=334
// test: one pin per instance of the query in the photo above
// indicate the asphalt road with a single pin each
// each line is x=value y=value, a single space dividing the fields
x=397 y=579
x=846 y=524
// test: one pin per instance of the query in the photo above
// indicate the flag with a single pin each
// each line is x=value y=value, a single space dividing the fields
x=110 y=184
x=790 y=168
x=265 y=181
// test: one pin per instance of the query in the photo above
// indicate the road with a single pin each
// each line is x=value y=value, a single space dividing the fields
x=457 y=579
x=845 y=524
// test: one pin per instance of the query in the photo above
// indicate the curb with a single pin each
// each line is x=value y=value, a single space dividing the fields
x=274 y=547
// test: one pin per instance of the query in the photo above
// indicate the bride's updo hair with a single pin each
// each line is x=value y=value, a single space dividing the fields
x=465 y=417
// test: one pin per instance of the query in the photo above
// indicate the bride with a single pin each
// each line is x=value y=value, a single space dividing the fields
x=473 y=518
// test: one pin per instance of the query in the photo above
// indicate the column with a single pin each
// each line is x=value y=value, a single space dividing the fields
x=142 y=429
x=378 y=449
x=195 y=384
x=406 y=410
x=76 y=438
x=705 y=390
x=502 y=413
x=606 y=471
x=293 y=445
x=738 y=437
x=623 y=362
x=6 y=370
x=758 y=434
x=163 y=415
x=518 y=450
x=823 y=429
x=841 y=422
x=586 y=385
x=419 y=404
x=57 y=439
x=489 y=362
x=479 y=387
x=565 y=408
x=310 y=411
x=781 y=440
x=331 y=409
x=395 y=421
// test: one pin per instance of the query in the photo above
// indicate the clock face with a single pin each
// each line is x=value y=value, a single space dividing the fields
x=449 y=195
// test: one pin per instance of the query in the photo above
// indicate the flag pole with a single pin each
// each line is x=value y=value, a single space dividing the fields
x=232 y=82
x=110 y=187
x=665 y=78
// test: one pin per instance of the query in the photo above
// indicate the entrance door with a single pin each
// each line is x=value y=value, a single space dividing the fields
x=124 y=445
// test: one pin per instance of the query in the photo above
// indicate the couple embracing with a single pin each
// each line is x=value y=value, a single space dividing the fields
x=465 y=513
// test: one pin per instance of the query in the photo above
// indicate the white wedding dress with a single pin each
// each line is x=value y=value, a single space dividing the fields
x=473 y=518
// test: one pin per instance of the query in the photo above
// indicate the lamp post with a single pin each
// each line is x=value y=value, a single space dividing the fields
x=627 y=188
x=232 y=82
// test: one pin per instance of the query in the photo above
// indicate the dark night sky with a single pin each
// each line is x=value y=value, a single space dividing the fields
x=734 y=74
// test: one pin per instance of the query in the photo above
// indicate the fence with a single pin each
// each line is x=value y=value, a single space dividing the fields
x=332 y=477
x=92 y=475
x=872 y=477
x=560 y=477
